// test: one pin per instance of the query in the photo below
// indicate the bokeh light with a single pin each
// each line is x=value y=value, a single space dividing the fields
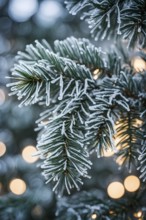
x=21 y=10
x=115 y=190
x=49 y=12
x=2 y=96
x=139 y=64
x=17 y=186
x=96 y=74
x=138 y=214
x=2 y=148
x=94 y=216
x=132 y=183
x=28 y=154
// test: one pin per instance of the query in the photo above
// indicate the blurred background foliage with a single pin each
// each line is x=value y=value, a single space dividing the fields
x=22 y=22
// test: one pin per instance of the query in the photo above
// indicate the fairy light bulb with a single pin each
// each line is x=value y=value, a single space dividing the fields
x=17 y=186
x=2 y=149
x=139 y=64
x=2 y=97
x=95 y=74
x=138 y=214
x=115 y=190
x=28 y=154
x=94 y=216
x=132 y=183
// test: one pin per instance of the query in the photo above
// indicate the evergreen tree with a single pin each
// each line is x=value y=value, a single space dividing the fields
x=92 y=99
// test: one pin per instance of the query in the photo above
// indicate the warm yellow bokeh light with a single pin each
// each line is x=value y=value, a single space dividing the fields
x=138 y=214
x=108 y=153
x=94 y=216
x=17 y=186
x=28 y=154
x=95 y=74
x=2 y=149
x=132 y=183
x=139 y=64
x=115 y=190
x=2 y=96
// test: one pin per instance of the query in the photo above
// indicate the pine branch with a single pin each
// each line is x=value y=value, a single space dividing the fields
x=86 y=205
x=65 y=159
x=111 y=19
x=128 y=139
x=48 y=76
x=81 y=51
x=142 y=161
x=80 y=111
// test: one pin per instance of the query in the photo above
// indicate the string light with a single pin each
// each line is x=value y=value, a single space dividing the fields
x=95 y=74
x=94 y=216
x=115 y=190
x=2 y=97
x=132 y=183
x=17 y=186
x=113 y=213
x=2 y=149
x=139 y=64
x=138 y=214
x=28 y=153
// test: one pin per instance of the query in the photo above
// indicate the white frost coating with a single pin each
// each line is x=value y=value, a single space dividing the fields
x=71 y=124
x=63 y=128
x=80 y=118
x=48 y=94
x=85 y=112
x=77 y=88
x=108 y=20
x=67 y=86
x=61 y=88
x=85 y=85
